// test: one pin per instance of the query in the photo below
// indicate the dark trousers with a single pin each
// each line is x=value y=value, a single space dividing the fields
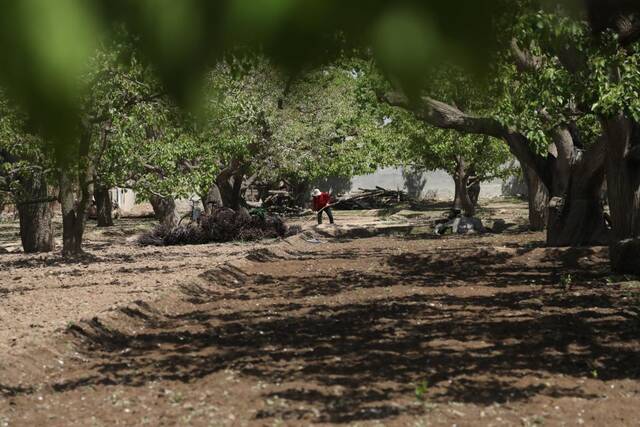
x=329 y=214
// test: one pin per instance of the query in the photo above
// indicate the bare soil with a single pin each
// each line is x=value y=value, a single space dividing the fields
x=399 y=328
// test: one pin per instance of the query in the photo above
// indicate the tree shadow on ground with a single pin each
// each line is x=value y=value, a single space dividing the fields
x=472 y=347
x=9 y=391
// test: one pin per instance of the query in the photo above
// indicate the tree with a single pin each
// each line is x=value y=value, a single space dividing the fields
x=25 y=177
x=241 y=100
x=329 y=125
x=124 y=96
x=263 y=125
x=616 y=70
x=543 y=102
x=549 y=99
x=469 y=159
x=142 y=143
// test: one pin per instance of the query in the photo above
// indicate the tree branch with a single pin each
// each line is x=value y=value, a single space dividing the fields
x=445 y=116
x=155 y=169
x=524 y=60
x=628 y=29
x=249 y=181
x=37 y=201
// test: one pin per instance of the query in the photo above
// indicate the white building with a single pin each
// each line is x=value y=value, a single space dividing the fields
x=124 y=197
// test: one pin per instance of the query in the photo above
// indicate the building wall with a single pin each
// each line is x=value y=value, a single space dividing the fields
x=125 y=198
x=436 y=184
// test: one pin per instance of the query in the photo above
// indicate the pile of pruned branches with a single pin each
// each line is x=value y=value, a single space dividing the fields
x=378 y=198
x=222 y=225
x=281 y=203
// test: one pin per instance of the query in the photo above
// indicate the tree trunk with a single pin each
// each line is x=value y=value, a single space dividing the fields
x=74 y=215
x=104 y=206
x=211 y=199
x=74 y=177
x=462 y=199
x=164 y=209
x=36 y=229
x=300 y=191
x=538 y=198
x=623 y=186
x=446 y=116
x=576 y=216
x=474 y=192
x=230 y=188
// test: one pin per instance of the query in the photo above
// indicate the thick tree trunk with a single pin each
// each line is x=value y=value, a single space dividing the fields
x=74 y=209
x=474 y=192
x=74 y=214
x=538 y=199
x=301 y=192
x=462 y=199
x=230 y=188
x=211 y=199
x=104 y=206
x=623 y=186
x=576 y=216
x=164 y=209
x=36 y=230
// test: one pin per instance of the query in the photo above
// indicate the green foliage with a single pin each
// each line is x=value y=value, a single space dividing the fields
x=299 y=128
x=579 y=77
x=139 y=137
x=421 y=390
x=565 y=281
x=22 y=154
x=47 y=45
x=432 y=148
x=328 y=125
x=304 y=106
x=240 y=100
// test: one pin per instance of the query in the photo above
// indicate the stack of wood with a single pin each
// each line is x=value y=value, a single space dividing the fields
x=280 y=202
x=377 y=198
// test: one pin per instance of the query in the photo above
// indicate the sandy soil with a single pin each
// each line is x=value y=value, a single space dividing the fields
x=403 y=328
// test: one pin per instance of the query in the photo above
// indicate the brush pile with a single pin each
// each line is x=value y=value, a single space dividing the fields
x=281 y=203
x=223 y=225
x=378 y=198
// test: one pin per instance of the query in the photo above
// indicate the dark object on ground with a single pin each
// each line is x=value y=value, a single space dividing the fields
x=377 y=198
x=461 y=225
x=625 y=256
x=282 y=203
x=222 y=225
x=499 y=225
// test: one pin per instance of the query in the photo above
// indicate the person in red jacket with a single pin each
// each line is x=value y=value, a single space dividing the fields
x=322 y=203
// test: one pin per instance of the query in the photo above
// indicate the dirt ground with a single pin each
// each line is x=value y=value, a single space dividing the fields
x=373 y=322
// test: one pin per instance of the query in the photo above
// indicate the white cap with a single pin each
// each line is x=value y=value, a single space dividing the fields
x=315 y=192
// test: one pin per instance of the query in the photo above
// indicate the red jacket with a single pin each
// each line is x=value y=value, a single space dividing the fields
x=321 y=201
